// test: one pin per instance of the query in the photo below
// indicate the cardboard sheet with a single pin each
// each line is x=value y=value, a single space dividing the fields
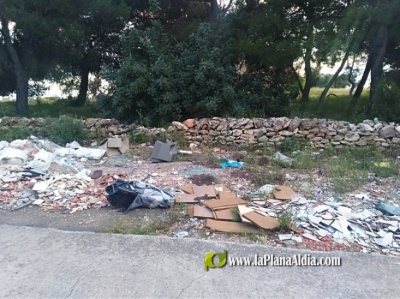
x=186 y=198
x=115 y=145
x=265 y=222
x=217 y=204
x=230 y=227
x=243 y=210
x=202 y=212
x=187 y=188
x=283 y=193
x=201 y=191
x=224 y=214
x=227 y=195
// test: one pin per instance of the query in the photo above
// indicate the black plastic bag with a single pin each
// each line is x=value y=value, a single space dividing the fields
x=121 y=194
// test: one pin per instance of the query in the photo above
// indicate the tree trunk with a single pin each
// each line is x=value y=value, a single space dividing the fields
x=308 y=73
x=378 y=55
x=305 y=95
x=297 y=78
x=20 y=74
x=350 y=79
x=214 y=9
x=332 y=80
x=83 y=87
x=364 y=78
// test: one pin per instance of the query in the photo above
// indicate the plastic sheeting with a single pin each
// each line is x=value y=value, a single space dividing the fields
x=135 y=194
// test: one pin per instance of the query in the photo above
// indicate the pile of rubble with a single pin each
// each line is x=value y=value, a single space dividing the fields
x=361 y=225
x=40 y=172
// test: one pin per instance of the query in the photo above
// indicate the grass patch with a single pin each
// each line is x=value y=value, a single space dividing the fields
x=349 y=167
x=51 y=107
x=236 y=215
x=285 y=221
x=337 y=107
x=133 y=228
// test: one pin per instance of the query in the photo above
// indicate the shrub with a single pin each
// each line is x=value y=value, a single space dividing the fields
x=66 y=130
x=12 y=133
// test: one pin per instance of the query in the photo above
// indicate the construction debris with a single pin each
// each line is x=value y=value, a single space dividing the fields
x=163 y=152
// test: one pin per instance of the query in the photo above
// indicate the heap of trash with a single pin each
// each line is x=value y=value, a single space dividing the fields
x=40 y=172
x=367 y=226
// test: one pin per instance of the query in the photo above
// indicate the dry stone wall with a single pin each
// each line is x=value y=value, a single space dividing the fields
x=320 y=132
x=229 y=131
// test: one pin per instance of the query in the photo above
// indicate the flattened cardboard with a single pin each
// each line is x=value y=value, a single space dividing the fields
x=115 y=145
x=190 y=211
x=224 y=214
x=283 y=193
x=186 y=198
x=243 y=210
x=218 y=204
x=187 y=188
x=226 y=195
x=202 y=212
x=230 y=227
x=204 y=190
x=220 y=188
x=265 y=222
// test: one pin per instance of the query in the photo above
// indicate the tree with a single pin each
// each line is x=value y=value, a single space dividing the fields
x=381 y=26
x=92 y=41
x=29 y=30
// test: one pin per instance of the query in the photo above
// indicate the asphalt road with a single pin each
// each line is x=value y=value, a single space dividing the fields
x=50 y=263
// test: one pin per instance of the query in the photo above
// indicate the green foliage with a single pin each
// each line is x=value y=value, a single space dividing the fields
x=12 y=133
x=66 y=130
x=160 y=81
x=388 y=102
x=285 y=220
x=294 y=143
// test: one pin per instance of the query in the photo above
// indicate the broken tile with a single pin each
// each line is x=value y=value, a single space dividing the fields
x=311 y=237
x=321 y=208
x=285 y=237
x=314 y=219
x=385 y=241
x=345 y=211
x=326 y=222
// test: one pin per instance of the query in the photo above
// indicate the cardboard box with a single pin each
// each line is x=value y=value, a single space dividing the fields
x=115 y=145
